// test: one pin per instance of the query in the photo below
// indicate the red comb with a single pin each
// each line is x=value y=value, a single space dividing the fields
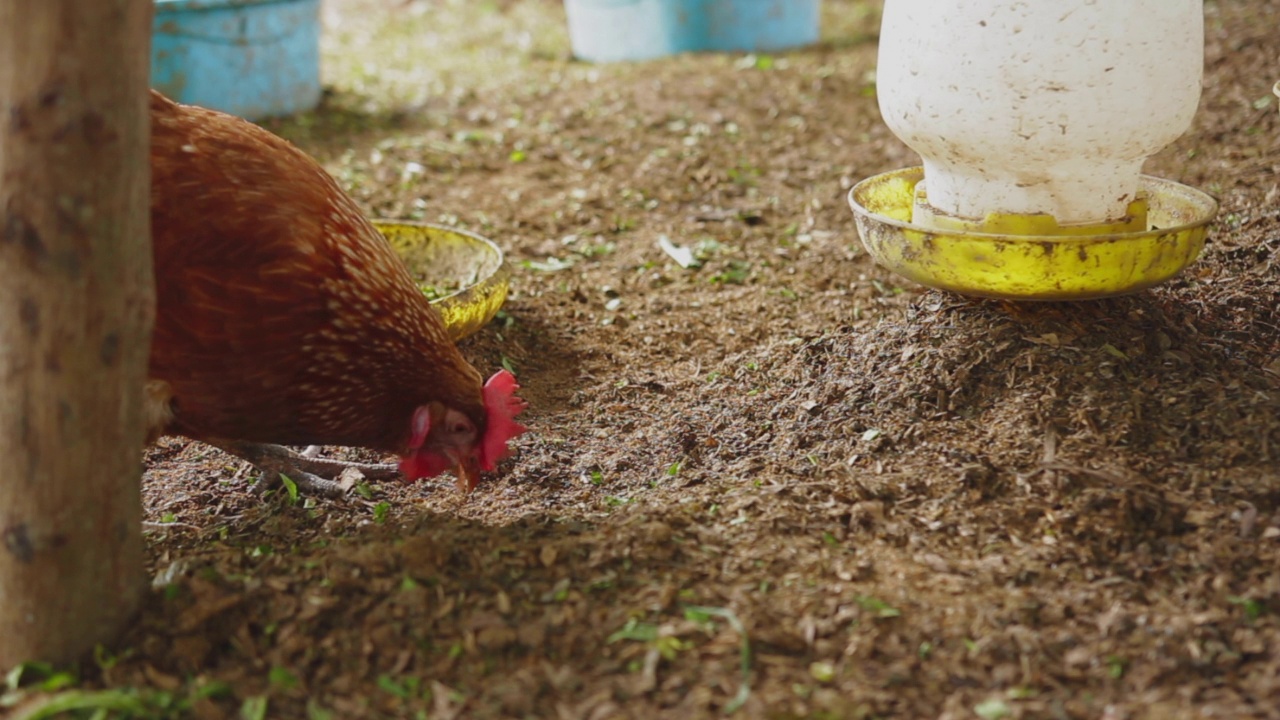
x=500 y=406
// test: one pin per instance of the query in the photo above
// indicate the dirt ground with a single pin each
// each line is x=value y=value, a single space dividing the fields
x=784 y=484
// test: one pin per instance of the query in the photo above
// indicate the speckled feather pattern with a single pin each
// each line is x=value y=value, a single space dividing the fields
x=283 y=315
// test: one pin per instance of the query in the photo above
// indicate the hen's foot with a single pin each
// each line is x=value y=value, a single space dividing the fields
x=311 y=474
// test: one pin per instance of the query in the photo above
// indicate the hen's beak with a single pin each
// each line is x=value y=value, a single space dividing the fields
x=468 y=473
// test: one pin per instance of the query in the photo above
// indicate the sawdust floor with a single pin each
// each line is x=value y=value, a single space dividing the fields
x=786 y=483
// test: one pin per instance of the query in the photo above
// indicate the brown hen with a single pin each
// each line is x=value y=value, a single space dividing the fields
x=284 y=317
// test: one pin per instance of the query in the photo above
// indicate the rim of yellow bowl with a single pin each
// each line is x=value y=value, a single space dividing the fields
x=468 y=309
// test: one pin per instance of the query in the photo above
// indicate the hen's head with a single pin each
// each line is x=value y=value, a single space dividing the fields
x=443 y=437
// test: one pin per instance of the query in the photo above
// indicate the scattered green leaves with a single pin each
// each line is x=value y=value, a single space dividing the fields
x=669 y=646
x=39 y=676
x=1021 y=692
x=316 y=711
x=128 y=703
x=1114 y=351
x=435 y=292
x=290 y=488
x=877 y=607
x=822 y=671
x=596 y=249
x=744 y=174
x=281 y=678
x=471 y=136
x=214 y=689
x=993 y=709
x=405 y=688
x=560 y=592
x=736 y=273
x=1116 y=666
x=105 y=659
x=254 y=708
x=1253 y=609
x=634 y=630
x=702 y=614
x=755 y=62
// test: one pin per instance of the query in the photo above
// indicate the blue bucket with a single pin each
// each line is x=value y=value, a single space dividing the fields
x=252 y=58
x=609 y=30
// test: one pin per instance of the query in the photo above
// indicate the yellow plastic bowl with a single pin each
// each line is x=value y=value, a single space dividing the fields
x=452 y=258
x=1031 y=267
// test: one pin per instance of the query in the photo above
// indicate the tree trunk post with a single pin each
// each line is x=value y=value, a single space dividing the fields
x=76 y=307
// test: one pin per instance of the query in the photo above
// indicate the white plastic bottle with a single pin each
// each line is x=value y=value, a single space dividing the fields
x=1025 y=107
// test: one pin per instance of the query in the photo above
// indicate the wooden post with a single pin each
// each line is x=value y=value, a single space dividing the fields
x=76 y=306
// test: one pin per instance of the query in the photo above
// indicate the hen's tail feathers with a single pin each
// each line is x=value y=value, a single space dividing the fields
x=501 y=405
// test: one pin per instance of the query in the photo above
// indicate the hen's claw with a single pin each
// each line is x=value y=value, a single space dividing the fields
x=306 y=482
x=305 y=472
x=328 y=466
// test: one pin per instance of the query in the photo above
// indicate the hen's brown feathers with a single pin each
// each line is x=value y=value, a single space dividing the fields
x=283 y=316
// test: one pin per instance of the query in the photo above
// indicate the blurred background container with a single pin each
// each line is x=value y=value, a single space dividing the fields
x=252 y=58
x=611 y=30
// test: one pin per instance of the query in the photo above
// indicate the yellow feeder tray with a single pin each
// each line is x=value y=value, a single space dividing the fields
x=453 y=258
x=1065 y=265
